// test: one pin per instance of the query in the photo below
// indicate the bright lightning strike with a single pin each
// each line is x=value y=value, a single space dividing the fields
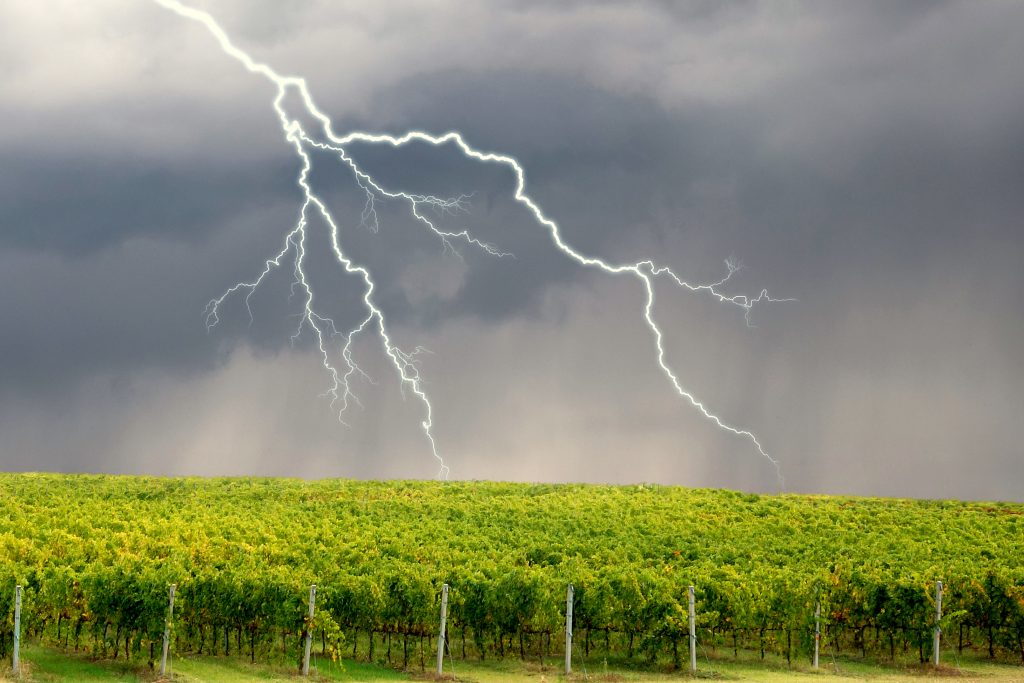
x=405 y=362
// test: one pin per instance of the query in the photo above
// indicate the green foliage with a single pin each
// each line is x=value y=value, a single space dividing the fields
x=97 y=553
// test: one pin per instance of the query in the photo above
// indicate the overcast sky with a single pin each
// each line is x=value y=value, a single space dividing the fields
x=866 y=159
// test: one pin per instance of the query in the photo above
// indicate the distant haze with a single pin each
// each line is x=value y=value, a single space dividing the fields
x=864 y=158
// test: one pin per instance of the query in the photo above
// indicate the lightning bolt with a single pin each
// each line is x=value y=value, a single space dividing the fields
x=405 y=362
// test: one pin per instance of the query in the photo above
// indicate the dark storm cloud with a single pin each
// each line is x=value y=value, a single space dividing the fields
x=75 y=205
x=599 y=163
x=124 y=307
x=864 y=158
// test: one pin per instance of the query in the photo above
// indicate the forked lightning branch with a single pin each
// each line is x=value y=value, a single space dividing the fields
x=342 y=368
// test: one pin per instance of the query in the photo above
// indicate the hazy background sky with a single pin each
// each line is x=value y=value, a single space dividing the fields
x=864 y=158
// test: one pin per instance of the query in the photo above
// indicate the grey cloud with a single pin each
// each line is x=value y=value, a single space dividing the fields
x=76 y=204
x=865 y=159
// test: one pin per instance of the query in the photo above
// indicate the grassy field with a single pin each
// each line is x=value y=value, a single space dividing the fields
x=46 y=664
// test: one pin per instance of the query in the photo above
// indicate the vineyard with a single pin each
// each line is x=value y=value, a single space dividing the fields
x=95 y=556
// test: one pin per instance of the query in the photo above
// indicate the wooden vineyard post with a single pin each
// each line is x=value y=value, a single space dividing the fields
x=309 y=631
x=167 y=631
x=817 y=631
x=15 y=668
x=693 y=633
x=441 y=634
x=938 y=618
x=568 y=630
